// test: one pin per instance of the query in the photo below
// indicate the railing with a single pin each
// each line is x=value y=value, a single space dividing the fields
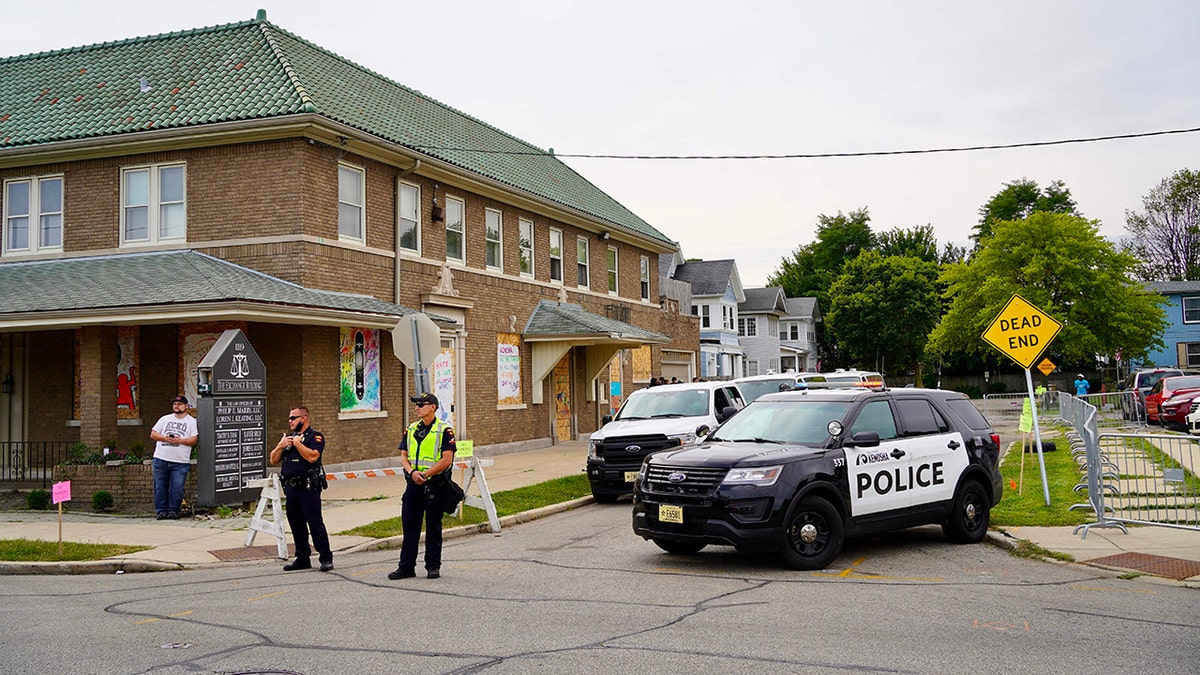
x=1149 y=479
x=31 y=462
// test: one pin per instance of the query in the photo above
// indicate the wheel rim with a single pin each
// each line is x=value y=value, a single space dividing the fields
x=809 y=534
x=972 y=514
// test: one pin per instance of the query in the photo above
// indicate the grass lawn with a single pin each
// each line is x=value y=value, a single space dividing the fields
x=507 y=503
x=33 y=550
x=1029 y=508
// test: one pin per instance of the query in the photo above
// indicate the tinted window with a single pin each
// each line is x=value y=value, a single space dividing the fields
x=920 y=418
x=968 y=413
x=875 y=416
x=721 y=400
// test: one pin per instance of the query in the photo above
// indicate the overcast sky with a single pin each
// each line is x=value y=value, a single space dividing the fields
x=696 y=77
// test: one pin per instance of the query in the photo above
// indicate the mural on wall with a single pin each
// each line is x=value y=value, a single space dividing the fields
x=359 y=368
x=443 y=383
x=508 y=369
x=128 y=345
x=614 y=384
x=195 y=339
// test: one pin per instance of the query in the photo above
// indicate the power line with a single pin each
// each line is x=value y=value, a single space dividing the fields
x=819 y=155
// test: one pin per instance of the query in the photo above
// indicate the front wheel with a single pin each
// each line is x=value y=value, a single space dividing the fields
x=813 y=536
x=969 y=518
x=678 y=547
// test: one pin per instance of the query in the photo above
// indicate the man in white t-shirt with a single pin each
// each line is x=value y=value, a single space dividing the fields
x=176 y=434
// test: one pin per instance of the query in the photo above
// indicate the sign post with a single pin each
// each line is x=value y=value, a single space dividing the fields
x=415 y=341
x=1021 y=332
x=60 y=492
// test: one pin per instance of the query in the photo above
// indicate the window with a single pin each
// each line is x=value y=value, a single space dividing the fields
x=526 y=247
x=351 y=201
x=556 y=261
x=612 y=270
x=751 y=368
x=1192 y=354
x=727 y=317
x=644 y=278
x=772 y=327
x=920 y=418
x=1191 y=309
x=493 y=226
x=876 y=416
x=454 y=230
x=153 y=205
x=790 y=331
x=748 y=327
x=36 y=203
x=702 y=311
x=581 y=261
x=408 y=220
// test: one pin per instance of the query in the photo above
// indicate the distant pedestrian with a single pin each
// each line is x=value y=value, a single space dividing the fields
x=1081 y=385
x=175 y=435
x=427 y=456
x=301 y=472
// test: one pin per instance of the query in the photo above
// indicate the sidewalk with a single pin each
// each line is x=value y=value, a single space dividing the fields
x=1167 y=552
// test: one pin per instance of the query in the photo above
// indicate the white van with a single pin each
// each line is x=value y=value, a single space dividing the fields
x=841 y=377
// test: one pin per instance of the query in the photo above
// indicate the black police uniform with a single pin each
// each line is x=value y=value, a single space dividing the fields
x=423 y=502
x=300 y=486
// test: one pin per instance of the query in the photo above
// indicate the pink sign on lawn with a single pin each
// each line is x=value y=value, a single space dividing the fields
x=61 y=492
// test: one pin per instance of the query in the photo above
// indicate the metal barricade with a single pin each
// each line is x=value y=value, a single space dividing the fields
x=1117 y=409
x=1148 y=479
x=996 y=406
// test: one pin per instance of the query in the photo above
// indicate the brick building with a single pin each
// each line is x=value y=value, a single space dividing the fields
x=159 y=190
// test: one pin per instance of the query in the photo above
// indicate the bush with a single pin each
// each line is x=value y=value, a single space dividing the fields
x=38 y=500
x=102 y=501
x=82 y=453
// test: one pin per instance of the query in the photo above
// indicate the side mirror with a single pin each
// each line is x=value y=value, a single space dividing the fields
x=864 y=439
x=725 y=413
x=605 y=420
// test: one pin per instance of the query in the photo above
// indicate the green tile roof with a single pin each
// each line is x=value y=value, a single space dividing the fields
x=551 y=318
x=254 y=70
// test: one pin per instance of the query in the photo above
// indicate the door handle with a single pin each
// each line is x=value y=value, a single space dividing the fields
x=897 y=453
x=953 y=445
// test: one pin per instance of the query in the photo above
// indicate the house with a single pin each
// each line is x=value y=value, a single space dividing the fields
x=160 y=190
x=1182 y=336
x=777 y=333
x=716 y=293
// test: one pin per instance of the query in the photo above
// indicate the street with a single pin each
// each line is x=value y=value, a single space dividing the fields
x=579 y=593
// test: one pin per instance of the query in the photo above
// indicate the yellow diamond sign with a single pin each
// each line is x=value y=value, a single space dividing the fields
x=1021 y=331
x=1046 y=366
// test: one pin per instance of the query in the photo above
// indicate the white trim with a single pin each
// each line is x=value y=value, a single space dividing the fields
x=498 y=241
x=400 y=187
x=361 y=205
x=586 y=264
x=532 y=273
x=613 y=272
x=462 y=231
x=644 y=277
x=551 y=258
x=153 y=203
x=33 y=215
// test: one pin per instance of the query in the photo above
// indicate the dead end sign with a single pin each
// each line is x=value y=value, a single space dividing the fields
x=1021 y=331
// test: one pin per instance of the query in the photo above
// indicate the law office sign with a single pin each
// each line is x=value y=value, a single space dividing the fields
x=1021 y=331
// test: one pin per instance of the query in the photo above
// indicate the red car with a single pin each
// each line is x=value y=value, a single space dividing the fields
x=1166 y=389
x=1173 y=412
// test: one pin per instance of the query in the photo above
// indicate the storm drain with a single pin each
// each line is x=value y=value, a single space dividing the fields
x=250 y=553
x=1158 y=565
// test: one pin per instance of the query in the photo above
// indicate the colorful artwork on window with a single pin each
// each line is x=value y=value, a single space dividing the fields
x=508 y=369
x=127 y=373
x=359 y=356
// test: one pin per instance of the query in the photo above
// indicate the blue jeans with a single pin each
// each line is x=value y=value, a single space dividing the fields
x=169 y=478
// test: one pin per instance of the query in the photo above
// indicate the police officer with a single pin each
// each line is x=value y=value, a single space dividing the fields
x=427 y=455
x=300 y=451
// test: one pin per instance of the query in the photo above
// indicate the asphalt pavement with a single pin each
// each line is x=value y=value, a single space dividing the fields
x=356 y=499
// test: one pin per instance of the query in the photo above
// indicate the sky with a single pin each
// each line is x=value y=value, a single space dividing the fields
x=695 y=77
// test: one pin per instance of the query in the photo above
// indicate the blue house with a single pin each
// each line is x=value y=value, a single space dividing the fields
x=1182 y=336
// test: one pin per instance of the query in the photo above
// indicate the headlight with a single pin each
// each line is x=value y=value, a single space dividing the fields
x=592 y=445
x=757 y=475
x=684 y=439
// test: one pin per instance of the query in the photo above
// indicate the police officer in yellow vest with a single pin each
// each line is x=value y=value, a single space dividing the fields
x=427 y=456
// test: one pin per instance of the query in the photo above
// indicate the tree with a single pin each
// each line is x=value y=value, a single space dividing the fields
x=1165 y=238
x=1062 y=265
x=882 y=308
x=1020 y=199
x=918 y=242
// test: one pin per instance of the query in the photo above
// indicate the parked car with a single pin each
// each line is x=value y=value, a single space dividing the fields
x=754 y=386
x=1138 y=383
x=798 y=472
x=862 y=377
x=1193 y=418
x=1175 y=410
x=653 y=419
x=1163 y=390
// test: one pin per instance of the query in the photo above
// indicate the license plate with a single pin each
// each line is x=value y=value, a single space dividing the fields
x=669 y=513
x=630 y=476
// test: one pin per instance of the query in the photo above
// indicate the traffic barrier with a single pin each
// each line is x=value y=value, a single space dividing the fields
x=1147 y=479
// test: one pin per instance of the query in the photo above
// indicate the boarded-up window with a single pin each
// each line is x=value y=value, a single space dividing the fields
x=642 y=364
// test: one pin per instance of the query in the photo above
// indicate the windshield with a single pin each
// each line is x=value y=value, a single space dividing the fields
x=675 y=403
x=1186 y=382
x=801 y=422
x=752 y=389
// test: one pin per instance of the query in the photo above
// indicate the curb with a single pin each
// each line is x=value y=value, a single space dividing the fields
x=103 y=566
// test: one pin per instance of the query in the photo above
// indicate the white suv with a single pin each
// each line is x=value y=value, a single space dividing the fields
x=652 y=419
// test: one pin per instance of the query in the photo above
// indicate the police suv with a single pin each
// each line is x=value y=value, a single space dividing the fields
x=799 y=471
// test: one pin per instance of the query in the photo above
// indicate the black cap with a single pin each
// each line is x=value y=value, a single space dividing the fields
x=180 y=399
x=424 y=397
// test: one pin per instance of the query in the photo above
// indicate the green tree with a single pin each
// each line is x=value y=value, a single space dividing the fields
x=882 y=308
x=1020 y=199
x=1062 y=265
x=918 y=242
x=1165 y=236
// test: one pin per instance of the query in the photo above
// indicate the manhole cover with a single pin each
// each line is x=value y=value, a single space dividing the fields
x=250 y=553
x=1159 y=565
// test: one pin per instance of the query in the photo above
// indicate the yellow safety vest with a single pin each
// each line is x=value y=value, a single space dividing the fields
x=429 y=450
